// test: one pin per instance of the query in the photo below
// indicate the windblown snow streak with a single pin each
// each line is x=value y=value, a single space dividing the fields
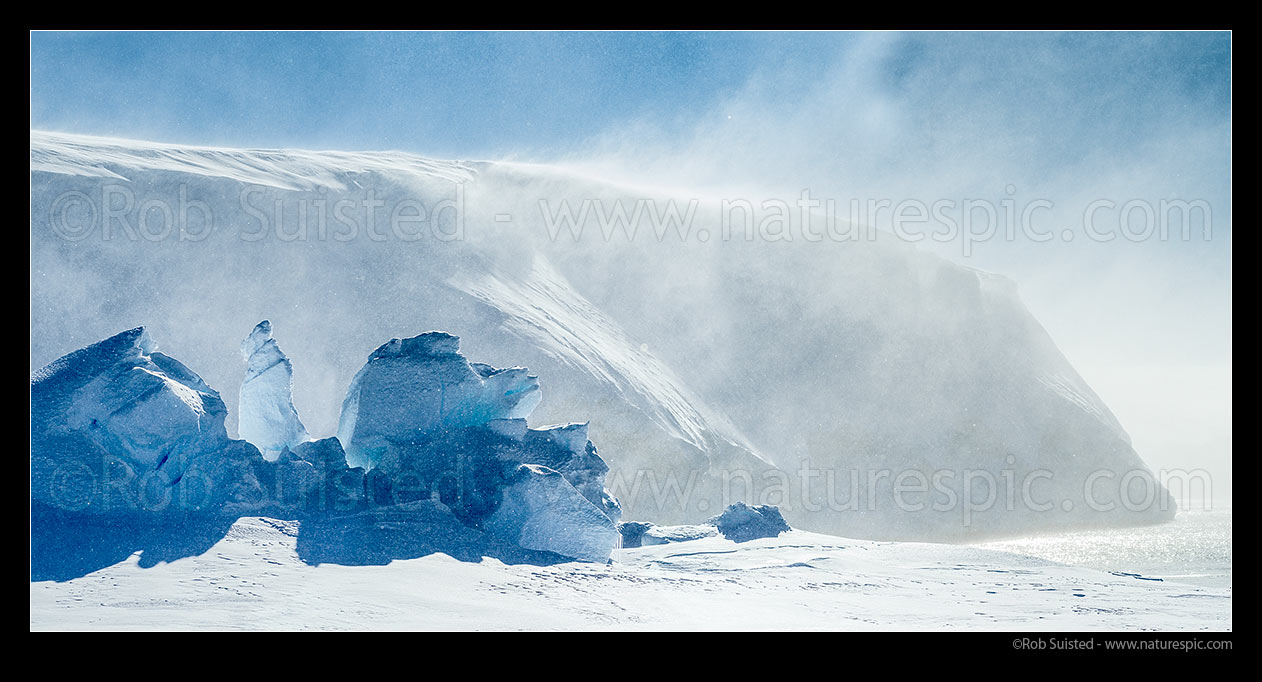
x=545 y=309
x=820 y=377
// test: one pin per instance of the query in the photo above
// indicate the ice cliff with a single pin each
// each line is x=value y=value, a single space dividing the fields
x=865 y=387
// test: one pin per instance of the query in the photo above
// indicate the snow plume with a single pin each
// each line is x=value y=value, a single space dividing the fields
x=1124 y=135
x=864 y=386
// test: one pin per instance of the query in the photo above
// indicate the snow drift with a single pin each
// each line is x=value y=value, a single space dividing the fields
x=865 y=387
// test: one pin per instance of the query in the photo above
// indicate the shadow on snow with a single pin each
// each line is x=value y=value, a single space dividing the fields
x=68 y=545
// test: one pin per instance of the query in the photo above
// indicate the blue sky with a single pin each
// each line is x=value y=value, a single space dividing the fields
x=493 y=94
x=453 y=94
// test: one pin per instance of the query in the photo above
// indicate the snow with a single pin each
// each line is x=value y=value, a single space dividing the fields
x=546 y=308
x=87 y=155
x=530 y=544
x=267 y=418
x=256 y=579
x=686 y=360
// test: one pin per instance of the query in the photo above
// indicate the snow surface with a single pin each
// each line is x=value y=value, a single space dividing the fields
x=255 y=579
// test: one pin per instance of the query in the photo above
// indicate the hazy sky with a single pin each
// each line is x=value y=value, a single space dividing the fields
x=1067 y=118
